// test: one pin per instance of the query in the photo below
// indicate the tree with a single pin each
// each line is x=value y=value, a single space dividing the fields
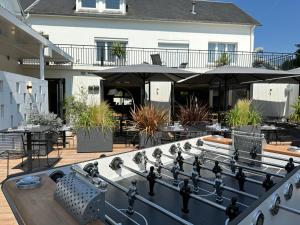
x=293 y=61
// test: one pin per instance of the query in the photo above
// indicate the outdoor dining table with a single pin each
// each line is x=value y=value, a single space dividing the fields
x=174 y=130
x=28 y=131
x=63 y=131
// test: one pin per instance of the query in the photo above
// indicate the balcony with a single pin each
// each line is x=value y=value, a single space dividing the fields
x=95 y=56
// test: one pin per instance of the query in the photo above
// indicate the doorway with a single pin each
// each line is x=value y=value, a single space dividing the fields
x=56 y=95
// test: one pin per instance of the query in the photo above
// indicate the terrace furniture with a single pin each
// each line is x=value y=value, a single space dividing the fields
x=156 y=60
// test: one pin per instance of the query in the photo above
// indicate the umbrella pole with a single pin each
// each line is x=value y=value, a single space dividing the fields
x=172 y=101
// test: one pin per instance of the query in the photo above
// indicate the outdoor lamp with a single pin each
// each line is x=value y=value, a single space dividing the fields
x=29 y=87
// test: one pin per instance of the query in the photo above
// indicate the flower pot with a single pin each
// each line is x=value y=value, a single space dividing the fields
x=146 y=142
x=94 y=140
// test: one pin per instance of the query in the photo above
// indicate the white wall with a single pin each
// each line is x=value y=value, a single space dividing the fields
x=9 y=64
x=275 y=99
x=10 y=98
x=83 y=31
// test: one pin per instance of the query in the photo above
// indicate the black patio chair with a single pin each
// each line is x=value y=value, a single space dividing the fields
x=156 y=60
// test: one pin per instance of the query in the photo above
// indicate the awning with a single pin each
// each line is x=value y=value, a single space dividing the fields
x=19 y=41
x=236 y=75
x=143 y=72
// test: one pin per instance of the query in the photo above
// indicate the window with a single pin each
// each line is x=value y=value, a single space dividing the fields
x=18 y=87
x=93 y=90
x=18 y=108
x=88 y=3
x=41 y=90
x=2 y=111
x=11 y=97
x=1 y=85
x=105 y=50
x=25 y=117
x=11 y=121
x=35 y=97
x=112 y=4
x=216 y=50
x=24 y=97
x=175 y=55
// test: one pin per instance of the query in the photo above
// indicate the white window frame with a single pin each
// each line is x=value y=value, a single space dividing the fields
x=122 y=40
x=119 y=10
x=1 y=85
x=80 y=8
x=218 y=51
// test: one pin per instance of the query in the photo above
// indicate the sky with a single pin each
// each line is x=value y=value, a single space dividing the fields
x=280 y=20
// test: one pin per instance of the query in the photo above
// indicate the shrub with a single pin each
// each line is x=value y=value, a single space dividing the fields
x=295 y=116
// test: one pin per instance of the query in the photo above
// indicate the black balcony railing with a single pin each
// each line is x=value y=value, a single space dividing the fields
x=92 y=55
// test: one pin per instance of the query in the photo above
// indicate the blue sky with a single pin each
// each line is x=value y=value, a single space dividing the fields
x=280 y=20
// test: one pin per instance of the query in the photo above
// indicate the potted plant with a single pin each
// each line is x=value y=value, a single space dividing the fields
x=93 y=124
x=118 y=50
x=148 y=120
x=49 y=120
x=242 y=115
x=193 y=113
x=295 y=116
x=223 y=60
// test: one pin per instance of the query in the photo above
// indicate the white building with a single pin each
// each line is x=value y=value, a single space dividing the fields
x=177 y=30
x=20 y=94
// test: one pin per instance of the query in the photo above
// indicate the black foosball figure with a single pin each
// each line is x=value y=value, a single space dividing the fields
x=197 y=164
x=158 y=164
x=232 y=165
x=180 y=159
x=217 y=168
x=253 y=153
x=232 y=211
x=151 y=178
x=219 y=186
x=175 y=171
x=290 y=165
x=131 y=193
x=195 y=179
x=236 y=155
x=241 y=177
x=268 y=182
x=185 y=192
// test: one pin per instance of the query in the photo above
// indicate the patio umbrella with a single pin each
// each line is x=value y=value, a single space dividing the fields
x=144 y=72
x=232 y=76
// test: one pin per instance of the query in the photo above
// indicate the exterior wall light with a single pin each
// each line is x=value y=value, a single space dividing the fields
x=29 y=87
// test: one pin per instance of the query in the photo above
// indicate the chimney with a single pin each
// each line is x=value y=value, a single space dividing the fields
x=193 y=7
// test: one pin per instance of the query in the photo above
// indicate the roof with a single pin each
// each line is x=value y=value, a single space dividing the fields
x=164 y=10
x=295 y=71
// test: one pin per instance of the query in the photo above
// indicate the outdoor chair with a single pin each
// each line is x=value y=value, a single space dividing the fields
x=156 y=60
x=11 y=147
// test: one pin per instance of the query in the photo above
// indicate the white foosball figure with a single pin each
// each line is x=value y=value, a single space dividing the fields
x=195 y=179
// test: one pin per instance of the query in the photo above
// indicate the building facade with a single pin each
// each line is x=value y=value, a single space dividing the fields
x=197 y=35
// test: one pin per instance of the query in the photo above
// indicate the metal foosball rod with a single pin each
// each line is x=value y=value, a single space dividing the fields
x=225 y=173
x=213 y=204
x=138 y=197
x=228 y=155
x=259 y=154
x=247 y=168
x=211 y=183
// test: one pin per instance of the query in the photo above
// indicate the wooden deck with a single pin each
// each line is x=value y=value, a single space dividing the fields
x=68 y=156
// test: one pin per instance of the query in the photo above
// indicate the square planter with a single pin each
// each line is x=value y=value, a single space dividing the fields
x=146 y=142
x=94 y=140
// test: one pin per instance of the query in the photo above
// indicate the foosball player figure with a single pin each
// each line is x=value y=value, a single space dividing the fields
x=144 y=161
x=253 y=153
x=219 y=186
x=180 y=159
x=232 y=165
x=290 y=165
x=158 y=164
x=131 y=193
x=151 y=178
x=232 y=211
x=236 y=155
x=217 y=169
x=268 y=183
x=175 y=171
x=185 y=192
x=241 y=178
x=195 y=179
x=197 y=164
